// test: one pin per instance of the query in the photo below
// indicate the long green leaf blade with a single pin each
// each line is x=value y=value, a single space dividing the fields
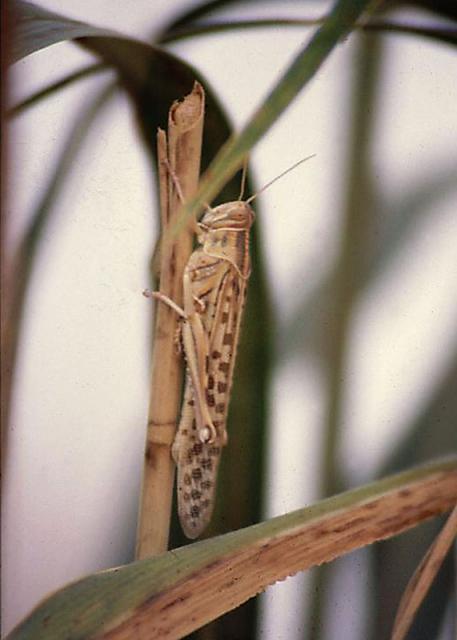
x=172 y=594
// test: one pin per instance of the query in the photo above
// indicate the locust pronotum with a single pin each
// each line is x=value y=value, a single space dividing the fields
x=214 y=292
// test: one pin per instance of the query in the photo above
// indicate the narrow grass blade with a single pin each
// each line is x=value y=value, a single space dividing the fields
x=54 y=87
x=20 y=269
x=423 y=577
x=435 y=32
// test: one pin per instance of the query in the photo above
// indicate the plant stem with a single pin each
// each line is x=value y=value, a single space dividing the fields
x=181 y=154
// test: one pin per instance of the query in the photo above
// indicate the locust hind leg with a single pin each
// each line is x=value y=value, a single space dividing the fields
x=195 y=344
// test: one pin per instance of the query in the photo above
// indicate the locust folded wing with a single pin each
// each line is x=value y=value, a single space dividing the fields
x=220 y=293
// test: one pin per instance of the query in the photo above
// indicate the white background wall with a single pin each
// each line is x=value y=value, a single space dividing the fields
x=76 y=441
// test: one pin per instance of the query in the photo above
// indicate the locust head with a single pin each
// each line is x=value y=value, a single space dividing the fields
x=231 y=216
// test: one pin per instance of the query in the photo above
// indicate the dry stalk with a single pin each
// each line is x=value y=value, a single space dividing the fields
x=423 y=577
x=181 y=153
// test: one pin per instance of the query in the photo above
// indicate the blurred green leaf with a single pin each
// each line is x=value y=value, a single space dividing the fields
x=54 y=87
x=65 y=162
x=436 y=32
x=21 y=266
x=153 y=77
x=397 y=220
x=444 y=8
x=36 y=28
x=357 y=221
x=194 y=14
x=199 y=20
x=399 y=216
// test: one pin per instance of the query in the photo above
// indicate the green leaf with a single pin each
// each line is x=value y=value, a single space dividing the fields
x=436 y=32
x=172 y=594
x=54 y=87
x=445 y=8
x=192 y=15
x=24 y=259
x=392 y=235
x=356 y=228
x=35 y=29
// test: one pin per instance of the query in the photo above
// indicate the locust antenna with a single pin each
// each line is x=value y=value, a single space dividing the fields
x=243 y=179
x=281 y=175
